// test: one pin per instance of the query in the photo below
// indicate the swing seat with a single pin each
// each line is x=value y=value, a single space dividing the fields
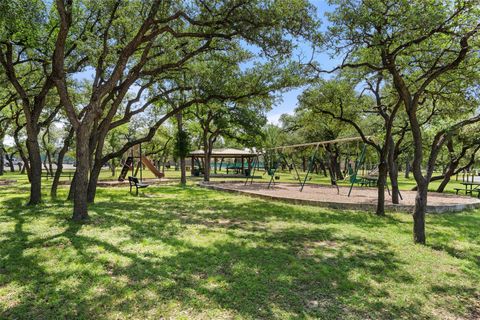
x=354 y=179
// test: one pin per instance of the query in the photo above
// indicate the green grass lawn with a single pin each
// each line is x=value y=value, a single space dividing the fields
x=191 y=253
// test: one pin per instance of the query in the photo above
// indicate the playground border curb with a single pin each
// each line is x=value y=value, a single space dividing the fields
x=438 y=209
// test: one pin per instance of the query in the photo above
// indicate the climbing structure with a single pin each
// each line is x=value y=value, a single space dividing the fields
x=127 y=166
x=136 y=153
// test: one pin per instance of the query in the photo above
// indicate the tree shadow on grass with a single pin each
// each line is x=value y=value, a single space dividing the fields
x=255 y=282
x=252 y=272
x=248 y=208
x=455 y=234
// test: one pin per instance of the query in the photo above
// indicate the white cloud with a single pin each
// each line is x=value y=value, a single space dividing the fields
x=274 y=118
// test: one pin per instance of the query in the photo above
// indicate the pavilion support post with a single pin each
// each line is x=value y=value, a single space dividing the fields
x=243 y=164
x=192 y=169
x=215 y=165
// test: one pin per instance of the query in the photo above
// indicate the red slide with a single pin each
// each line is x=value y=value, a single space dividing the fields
x=151 y=167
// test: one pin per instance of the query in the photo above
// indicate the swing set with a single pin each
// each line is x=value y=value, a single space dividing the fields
x=321 y=153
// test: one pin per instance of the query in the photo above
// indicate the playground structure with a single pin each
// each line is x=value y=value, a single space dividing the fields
x=242 y=163
x=130 y=163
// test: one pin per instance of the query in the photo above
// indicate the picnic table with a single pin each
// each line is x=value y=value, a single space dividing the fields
x=469 y=187
x=369 y=181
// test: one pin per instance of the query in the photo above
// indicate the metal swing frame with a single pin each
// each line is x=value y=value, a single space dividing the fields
x=310 y=167
x=312 y=158
x=281 y=155
x=255 y=164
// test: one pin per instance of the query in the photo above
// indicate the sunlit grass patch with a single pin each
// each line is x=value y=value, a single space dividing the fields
x=193 y=253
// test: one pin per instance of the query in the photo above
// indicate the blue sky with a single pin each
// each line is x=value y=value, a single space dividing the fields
x=289 y=98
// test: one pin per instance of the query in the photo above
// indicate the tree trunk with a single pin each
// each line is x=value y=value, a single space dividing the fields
x=419 y=213
x=446 y=177
x=61 y=156
x=449 y=170
x=35 y=172
x=207 y=152
x=183 y=171
x=49 y=161
x=393 y=171
x=338 y=170
x=44 y=164
x=111 y=164
x=92 y=182
x=21 y=154
x=97 y=142
x=206 y=167
x=407 y=169
x=2 y=157
x=382 y=179
x=331 y=169
x=71 y=191
x=10 y=162
x=322 y=167
x=422 y=182
x=80 y=198
x=452 y=167
x=56 y=177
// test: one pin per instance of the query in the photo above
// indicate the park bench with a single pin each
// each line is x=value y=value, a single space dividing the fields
x=457 y=190
x=133 y=181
